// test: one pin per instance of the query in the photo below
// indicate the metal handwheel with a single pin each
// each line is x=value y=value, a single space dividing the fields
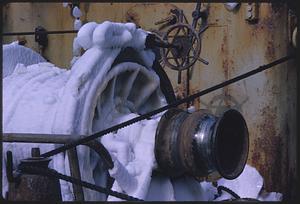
x=189 y=46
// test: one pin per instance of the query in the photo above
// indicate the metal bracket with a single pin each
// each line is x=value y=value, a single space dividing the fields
x=41 y=37
x=252 y=12
x=12 y=177
x=184 y=40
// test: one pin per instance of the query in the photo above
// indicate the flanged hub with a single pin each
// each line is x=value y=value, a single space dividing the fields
x=200 y=143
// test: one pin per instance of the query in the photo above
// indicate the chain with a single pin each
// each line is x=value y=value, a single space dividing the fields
x=228 y=190
x=54 y=174
x=164 y=108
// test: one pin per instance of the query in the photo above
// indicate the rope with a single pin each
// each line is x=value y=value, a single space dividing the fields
x=171 y=105
x=54 y=174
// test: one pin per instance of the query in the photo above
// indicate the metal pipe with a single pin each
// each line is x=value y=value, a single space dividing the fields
x=72 y=153
x=46 y=32
x=59 y=139
x=75 y=172
x=200 y=143
x=40 y=138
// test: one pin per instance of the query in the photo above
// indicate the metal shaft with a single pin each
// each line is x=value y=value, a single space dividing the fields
x=46 y=32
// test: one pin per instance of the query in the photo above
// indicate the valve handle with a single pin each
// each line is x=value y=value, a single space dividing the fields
x=188 y=47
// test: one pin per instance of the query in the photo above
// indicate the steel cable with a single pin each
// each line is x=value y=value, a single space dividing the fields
x=223 y=188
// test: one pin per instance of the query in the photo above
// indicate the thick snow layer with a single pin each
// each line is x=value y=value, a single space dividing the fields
x=14 y=53
x=248 y=185
x=133 y=149
x=42 y=98
x=84 y=36
x=111 y=36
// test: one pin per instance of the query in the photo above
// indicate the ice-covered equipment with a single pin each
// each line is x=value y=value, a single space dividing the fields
x=14 y=53
x=101 y=88
x=114 y=80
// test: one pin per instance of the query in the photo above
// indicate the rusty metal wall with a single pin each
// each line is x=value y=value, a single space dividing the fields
x=232 y=46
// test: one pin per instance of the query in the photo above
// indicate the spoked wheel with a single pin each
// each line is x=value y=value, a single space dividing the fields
x=188 y=47
x=128 y=88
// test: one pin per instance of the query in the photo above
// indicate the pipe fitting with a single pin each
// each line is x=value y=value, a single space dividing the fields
x=199 y=143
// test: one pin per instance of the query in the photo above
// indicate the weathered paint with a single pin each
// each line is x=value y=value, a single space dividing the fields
x=231 y=45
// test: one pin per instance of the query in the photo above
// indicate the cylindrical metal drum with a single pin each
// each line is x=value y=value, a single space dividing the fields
x=200 y=143
x=32 y=187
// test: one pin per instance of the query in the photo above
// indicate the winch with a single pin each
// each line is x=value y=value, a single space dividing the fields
x=115 y=93
x=201 y=143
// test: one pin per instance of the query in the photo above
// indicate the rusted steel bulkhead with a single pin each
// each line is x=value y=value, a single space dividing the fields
x=200 y=143
x=32 y=187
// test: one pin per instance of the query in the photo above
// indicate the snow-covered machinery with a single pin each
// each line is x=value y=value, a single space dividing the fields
x=116 y=79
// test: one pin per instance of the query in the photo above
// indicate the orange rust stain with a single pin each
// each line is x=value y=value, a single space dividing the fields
x=268 y=154
x=225 y=67
x=180 y=94
x=133 y=17
x=270 y=52
x=196 y=102
x=180 y=91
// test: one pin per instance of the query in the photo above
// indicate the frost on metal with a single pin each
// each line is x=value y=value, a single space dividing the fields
x=39 y=97
x=91 y=96
x=14 y=53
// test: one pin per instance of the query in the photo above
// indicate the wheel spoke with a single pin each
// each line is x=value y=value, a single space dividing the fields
x=168 y=51
x=193 y=49
x=172 y=36
x=170 y=58
x=184 y=32
x=128 y=86
x=176 y=61
x=111 y=93
x=183 y=61
x=177 y=32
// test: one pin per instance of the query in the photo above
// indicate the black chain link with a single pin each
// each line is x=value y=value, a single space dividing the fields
x=228 y=190
x=54 y=174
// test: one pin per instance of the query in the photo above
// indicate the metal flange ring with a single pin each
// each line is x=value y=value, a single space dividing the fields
x=186 y=47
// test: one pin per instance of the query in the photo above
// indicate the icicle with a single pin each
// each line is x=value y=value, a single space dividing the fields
x=77 y=24
x=76 y=12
